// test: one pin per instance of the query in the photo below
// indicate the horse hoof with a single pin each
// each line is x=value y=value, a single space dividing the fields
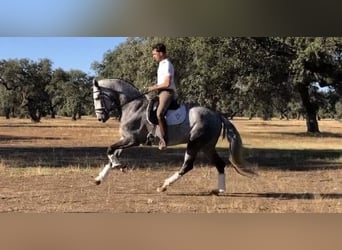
x=217 y=191
x=161 y=189
x=97 y=182
x=123 y=169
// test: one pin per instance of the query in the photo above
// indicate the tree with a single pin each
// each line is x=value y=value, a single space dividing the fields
x=77 y=93
x=37 y=78
x=56 y=92
x=128 y=61
x=10 y=76
x=260 y=86
x=261 y=76
x=314 y=61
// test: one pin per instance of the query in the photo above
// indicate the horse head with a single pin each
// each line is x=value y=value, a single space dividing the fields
x=111 y=94
x=102 y=102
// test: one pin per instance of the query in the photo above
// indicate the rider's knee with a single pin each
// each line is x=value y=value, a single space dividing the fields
x=160 y=116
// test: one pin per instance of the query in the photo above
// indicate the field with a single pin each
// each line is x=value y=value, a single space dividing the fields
x=50 y=166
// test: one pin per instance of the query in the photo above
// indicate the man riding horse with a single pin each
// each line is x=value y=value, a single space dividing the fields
x=166 y=89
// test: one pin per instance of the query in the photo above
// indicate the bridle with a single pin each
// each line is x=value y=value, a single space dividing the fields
x=103 y=95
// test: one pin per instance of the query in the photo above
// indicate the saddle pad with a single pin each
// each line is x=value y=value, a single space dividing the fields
x=175 y=117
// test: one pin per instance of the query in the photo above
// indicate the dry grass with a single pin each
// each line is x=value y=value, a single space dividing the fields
x=49 y=167
x=280 y=134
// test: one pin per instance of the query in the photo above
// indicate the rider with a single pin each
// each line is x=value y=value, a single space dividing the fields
x=166 y=89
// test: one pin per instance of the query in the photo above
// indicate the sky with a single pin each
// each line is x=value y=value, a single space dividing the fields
x=36 y=29
x=64 y=52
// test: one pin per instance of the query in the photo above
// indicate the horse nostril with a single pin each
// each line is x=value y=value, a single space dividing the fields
x=99 y=119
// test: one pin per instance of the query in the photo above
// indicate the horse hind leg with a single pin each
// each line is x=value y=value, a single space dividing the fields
x=216 y=160
x=188 y=164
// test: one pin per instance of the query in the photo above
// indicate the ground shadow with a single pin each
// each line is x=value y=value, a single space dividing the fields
x=315 y=135
x=294 y=159
x=151 y=157
x=51 y=157
x=279 y=196
x=257 y=124
x=142 y=157
x=7 y=138
x=39 y=125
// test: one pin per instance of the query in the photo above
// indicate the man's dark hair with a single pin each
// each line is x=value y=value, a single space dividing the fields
x=159 y=47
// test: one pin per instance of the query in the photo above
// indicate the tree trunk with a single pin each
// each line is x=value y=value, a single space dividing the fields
x=311 y=122
x=231 y=117
x=53 y=112
x=34 y=115
x=7 y=113
x=311 y=110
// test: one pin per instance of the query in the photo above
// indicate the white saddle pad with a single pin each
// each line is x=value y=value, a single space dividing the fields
x=175 y=117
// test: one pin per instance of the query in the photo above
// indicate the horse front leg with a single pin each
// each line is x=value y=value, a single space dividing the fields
x=114 y=151
x=113 y=163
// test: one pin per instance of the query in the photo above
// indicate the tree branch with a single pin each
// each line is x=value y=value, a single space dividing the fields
x=3 y=82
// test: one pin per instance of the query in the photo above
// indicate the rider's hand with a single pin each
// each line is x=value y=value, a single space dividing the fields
x=151 y=88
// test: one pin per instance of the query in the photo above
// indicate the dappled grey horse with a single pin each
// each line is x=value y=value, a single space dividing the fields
x=200 y=129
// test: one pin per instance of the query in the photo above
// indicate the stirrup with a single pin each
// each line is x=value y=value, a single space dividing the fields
x=150 y=139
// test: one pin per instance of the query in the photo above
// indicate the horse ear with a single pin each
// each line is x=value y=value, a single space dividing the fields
x=95 y=83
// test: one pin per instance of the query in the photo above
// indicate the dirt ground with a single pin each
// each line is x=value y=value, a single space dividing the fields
x=50 y=167
x=73 y=190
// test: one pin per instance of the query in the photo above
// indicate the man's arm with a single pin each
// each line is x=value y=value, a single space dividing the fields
x=164 y=85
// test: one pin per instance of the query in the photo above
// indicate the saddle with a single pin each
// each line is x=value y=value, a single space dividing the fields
x=175 y=114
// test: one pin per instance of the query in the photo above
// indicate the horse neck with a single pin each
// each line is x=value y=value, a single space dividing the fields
x=130 y=98
x=124 y=93
x=132 y=107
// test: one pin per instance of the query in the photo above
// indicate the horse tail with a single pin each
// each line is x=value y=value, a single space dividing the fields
x=235 y=149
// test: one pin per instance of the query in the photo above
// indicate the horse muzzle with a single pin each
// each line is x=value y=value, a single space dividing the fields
x=102 y=117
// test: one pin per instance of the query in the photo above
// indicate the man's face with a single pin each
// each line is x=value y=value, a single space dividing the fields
x=157 y=56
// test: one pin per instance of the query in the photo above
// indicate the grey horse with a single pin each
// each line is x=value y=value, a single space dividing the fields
x=200 y=130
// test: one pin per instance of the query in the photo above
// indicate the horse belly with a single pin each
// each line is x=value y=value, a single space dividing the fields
x=178 y=134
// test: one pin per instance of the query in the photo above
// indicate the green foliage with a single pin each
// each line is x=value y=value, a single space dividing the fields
x=33 y=89
x=262 y=76
x=338 y=108
x=76 y=94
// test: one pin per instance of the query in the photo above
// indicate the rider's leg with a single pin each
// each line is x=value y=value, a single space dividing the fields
x=165 y=98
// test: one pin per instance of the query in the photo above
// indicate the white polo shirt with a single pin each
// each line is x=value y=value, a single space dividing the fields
x=165 y=68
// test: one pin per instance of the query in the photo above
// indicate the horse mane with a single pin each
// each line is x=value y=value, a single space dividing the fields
x=121 y=81
x=127 y=81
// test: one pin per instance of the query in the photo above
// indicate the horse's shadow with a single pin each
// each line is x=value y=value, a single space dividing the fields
x=151 y=157
x=268 y=195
